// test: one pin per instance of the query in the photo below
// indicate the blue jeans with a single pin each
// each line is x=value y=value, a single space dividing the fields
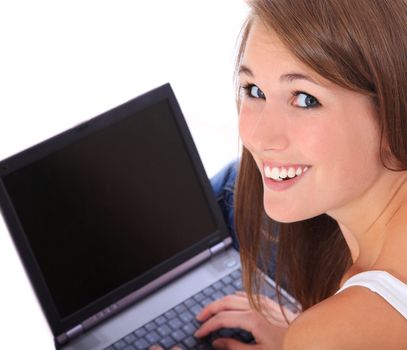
x=223 y=184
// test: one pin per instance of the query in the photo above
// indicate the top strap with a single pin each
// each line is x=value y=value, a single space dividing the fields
x=384 y=284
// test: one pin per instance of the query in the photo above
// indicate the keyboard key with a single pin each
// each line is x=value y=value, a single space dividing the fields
x=218 y=285
x=189 y=328
x=160 y=320
x=141 y=332
x=228 y=290
x=167 y=342
x=196 y=309
x=199 y=296
x=208 y=291
x=190 y=342
x=129 y=339
x=236 y=274
x=152 y=337
x=178 y=335
x=180 y=308
x=189 y=303
x=170 y=314
x=119 y=345
x=238 y=284
x=218 y=295
x=141 y=344
x=150 y=326
x=164 y=330
x=206 y=301
x=227 y=280
x=175 y=323
x=186 y=316
x=129 y=347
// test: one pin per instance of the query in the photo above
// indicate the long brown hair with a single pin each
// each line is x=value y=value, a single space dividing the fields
x=359 y=45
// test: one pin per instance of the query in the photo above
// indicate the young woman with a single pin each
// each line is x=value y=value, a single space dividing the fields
x=323 y=121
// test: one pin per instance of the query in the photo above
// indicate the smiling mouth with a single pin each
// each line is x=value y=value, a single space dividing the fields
x=284 y=173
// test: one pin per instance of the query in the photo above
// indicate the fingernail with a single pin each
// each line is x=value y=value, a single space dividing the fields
x=218 y=344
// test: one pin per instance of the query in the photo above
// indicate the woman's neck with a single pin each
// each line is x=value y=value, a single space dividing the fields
x=373 y=225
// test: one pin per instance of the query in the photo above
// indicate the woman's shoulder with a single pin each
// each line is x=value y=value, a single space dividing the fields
x=356 y=318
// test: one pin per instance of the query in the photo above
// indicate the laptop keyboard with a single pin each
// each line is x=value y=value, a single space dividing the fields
x=177 y=325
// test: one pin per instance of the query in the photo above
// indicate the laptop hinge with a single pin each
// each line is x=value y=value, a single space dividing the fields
x=221 y=246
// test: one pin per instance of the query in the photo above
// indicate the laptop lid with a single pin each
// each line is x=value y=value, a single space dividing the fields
x=101 y=211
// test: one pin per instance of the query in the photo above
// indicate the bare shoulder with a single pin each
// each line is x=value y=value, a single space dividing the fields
x=353 y=319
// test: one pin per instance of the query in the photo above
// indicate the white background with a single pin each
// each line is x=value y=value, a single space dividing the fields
x=63 y=62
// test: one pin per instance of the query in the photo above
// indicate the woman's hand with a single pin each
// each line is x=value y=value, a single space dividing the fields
x=234 y=311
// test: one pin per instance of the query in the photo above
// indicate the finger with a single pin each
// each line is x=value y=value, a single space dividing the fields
x=226 y=319
x=229 y=343
x=229 y=302
x=275 y=313
x=157 y=347
x=273 y=307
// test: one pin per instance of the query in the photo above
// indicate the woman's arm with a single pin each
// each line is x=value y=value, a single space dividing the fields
x=353 y=319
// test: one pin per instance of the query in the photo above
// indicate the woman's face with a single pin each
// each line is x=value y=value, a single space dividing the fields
x=317 y=145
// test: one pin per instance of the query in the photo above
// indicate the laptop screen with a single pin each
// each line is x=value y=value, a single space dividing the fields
x=109 y=207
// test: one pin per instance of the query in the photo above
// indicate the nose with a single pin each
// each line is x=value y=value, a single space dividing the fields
x=264 y=130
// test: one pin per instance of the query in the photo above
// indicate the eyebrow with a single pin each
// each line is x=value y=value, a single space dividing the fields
x=288 y=77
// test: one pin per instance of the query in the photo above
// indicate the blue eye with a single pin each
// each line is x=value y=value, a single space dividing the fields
x=304 y=100
x=253 y=91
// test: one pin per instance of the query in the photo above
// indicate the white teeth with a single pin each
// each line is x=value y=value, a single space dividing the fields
x=283 y=173
x=275 y=174
x=267 y=171
x=278 y=174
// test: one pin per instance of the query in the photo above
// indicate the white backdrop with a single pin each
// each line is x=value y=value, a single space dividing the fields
x=63 y=62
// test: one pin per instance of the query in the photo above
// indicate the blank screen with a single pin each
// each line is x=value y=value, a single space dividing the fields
x=108 y=208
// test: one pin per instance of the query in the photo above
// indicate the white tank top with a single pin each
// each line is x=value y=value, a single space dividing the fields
x=387 y=286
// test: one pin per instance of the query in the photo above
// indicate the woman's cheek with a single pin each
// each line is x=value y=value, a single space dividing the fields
x=245 y=125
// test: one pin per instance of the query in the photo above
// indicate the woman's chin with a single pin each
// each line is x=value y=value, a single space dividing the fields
x=286 y=215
